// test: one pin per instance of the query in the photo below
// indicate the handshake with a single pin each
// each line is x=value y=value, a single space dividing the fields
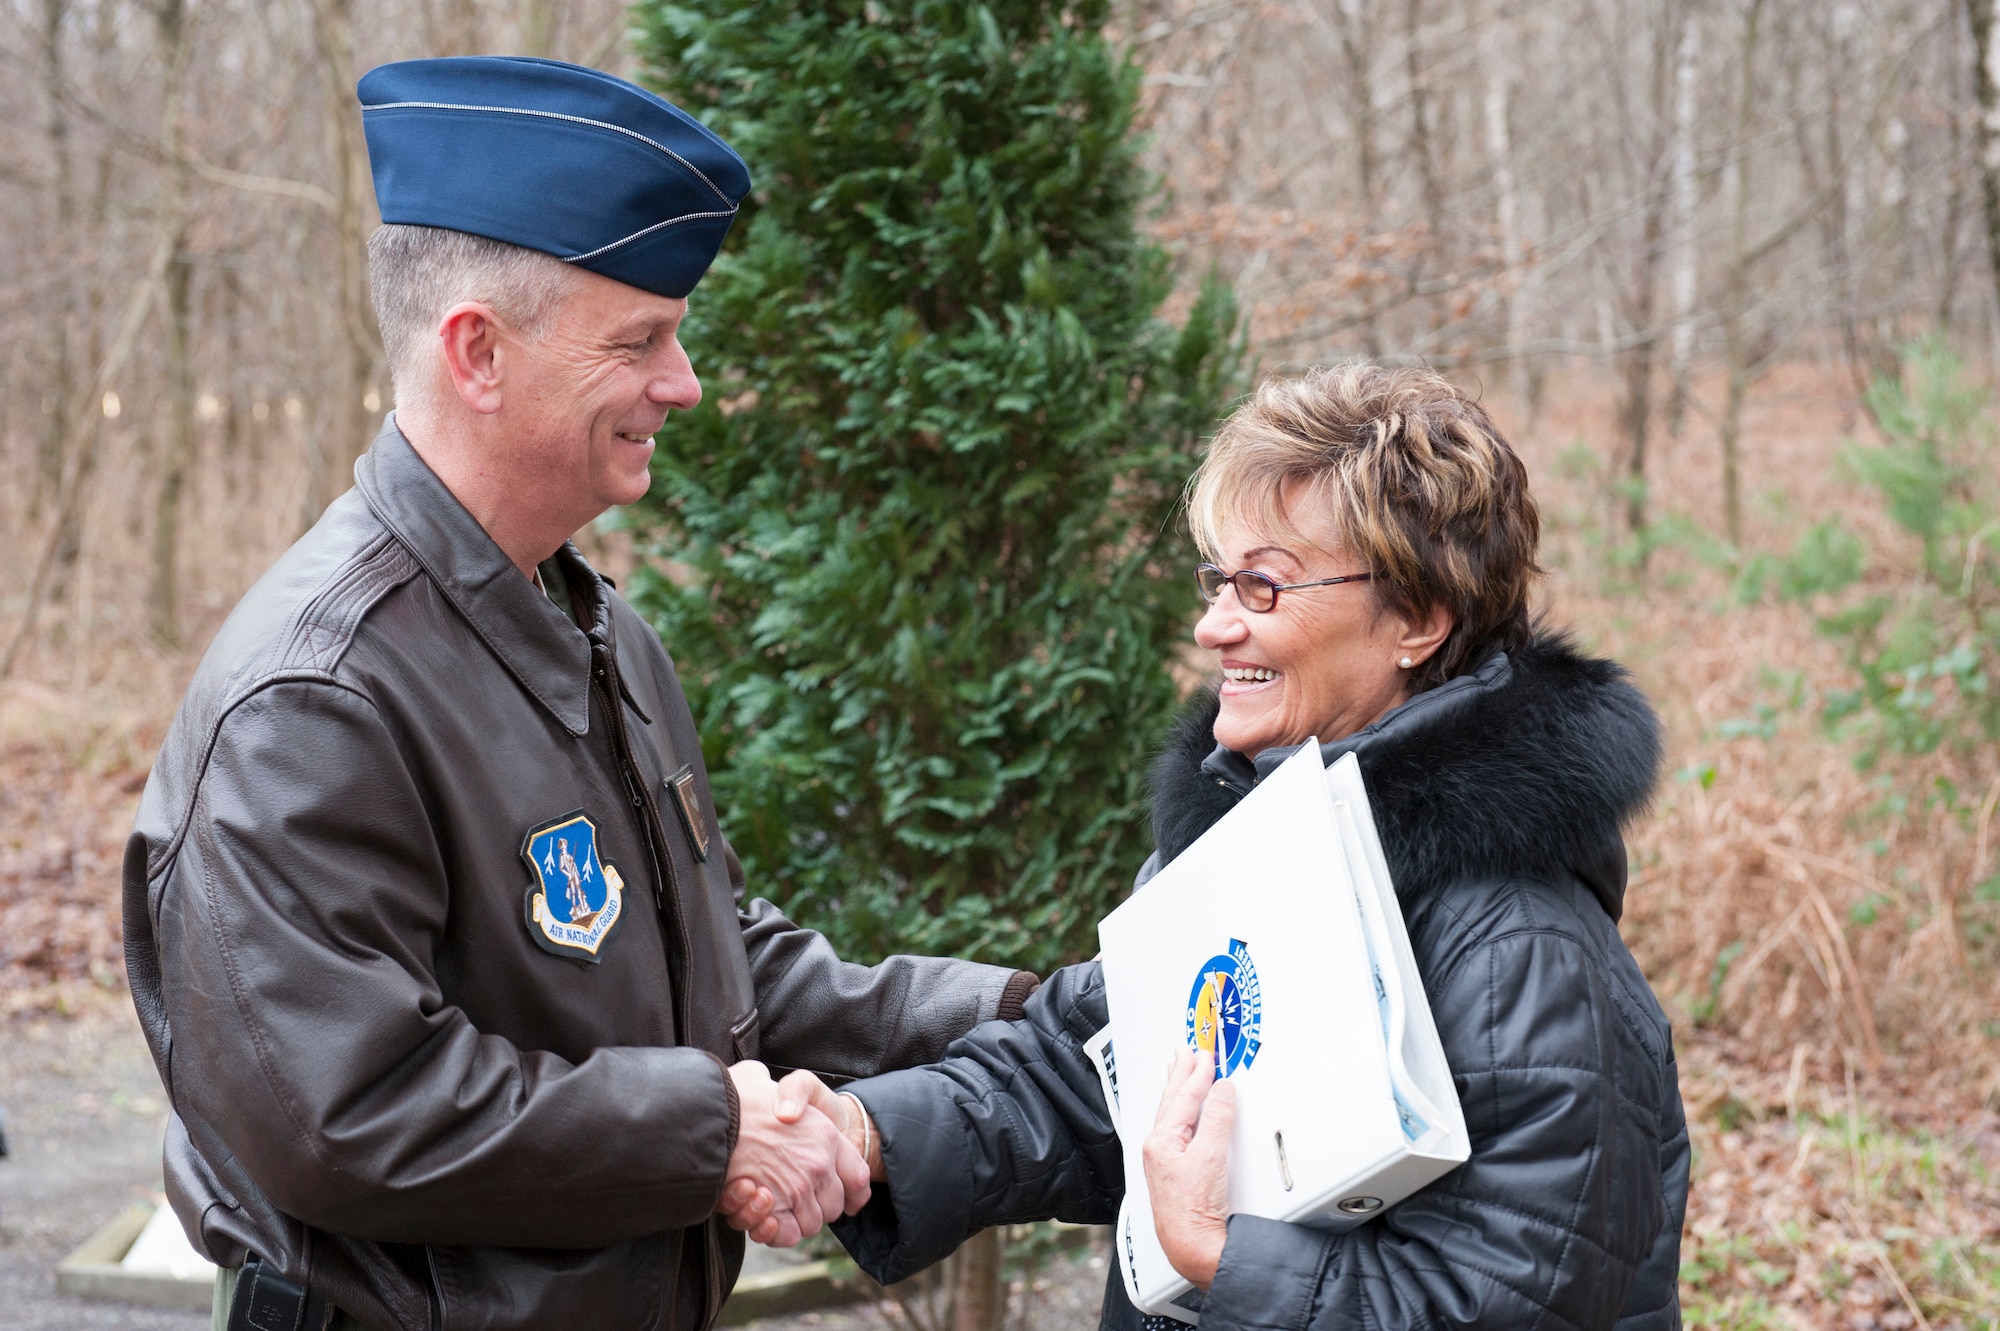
x=804 y=1157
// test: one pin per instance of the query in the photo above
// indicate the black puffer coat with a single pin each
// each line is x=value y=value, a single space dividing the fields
x=1499 y=798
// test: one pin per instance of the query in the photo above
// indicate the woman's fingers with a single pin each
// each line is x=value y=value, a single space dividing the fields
x=1208 y=1153
x=1187 y=1083
x=1187 y=1168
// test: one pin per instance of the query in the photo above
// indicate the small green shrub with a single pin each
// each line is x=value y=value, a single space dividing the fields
x=1922 y=634
x=917 y=553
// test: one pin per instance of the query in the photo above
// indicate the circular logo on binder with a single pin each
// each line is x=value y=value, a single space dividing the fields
x=1225 y=1011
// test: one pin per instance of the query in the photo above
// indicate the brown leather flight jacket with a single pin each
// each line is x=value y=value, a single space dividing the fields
x=388 y=1079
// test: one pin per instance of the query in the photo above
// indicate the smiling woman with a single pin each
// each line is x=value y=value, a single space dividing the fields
x=1356 y=471
x=1372 y=544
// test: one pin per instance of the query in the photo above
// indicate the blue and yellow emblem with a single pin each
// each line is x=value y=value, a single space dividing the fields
x=576 y=899
x=1225 y=1012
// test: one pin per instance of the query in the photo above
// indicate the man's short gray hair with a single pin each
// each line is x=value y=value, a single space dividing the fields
x=416 y=273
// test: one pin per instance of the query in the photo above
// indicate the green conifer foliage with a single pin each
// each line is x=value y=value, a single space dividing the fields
x=926 y=579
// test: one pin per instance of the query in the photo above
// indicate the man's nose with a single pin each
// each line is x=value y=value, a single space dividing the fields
x=675 y=386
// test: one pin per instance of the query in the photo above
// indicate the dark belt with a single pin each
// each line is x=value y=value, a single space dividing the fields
x=266 y=1301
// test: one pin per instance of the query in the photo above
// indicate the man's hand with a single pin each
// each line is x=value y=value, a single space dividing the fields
x=792 y=1169
x=1187 y=1167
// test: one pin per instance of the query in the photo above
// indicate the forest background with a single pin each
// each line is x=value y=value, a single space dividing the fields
x=1725 y=270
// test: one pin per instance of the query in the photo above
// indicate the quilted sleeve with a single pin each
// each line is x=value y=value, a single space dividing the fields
x=1011 y=1126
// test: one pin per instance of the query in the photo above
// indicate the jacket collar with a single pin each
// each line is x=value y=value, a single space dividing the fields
x=547 y=653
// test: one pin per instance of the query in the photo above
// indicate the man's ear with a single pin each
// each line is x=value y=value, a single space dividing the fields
x=469 y=335
x=1424 y=636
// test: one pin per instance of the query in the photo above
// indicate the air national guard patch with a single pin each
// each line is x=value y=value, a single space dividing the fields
x=576 y=899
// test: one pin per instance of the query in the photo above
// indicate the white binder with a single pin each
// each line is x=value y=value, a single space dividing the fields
x=1275 y=945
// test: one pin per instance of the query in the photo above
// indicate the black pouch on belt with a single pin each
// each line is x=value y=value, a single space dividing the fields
x=266 y=1301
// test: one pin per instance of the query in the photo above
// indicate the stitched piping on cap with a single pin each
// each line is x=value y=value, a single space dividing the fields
x=646 y=231
x=554 y=115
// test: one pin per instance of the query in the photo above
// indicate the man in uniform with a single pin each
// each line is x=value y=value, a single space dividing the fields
x=443 y=958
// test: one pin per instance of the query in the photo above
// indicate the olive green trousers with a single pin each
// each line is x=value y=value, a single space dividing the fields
x=225 y=1290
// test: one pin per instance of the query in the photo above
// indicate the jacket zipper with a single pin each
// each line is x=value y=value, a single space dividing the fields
x=666 y=882
x=667 y=900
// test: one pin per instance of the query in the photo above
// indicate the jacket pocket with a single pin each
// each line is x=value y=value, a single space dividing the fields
x=515 y=1289
x=744 y=1041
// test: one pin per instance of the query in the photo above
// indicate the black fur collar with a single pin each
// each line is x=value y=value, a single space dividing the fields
x=1530 y=765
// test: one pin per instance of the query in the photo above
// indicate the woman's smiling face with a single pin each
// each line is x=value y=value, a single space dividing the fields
x=1324 y=662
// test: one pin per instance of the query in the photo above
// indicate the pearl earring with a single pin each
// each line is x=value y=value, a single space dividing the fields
x=1407 y=663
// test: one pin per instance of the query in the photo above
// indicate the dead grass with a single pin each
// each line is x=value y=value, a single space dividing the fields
x=1811 y=927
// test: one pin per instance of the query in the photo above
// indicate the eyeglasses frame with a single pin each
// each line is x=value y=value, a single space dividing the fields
x=1229 y=580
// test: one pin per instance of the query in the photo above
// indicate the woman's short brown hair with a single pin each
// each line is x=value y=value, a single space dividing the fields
x=1417 y=482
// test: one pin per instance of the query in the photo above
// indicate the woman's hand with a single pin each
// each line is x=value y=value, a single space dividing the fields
x=1187 y=1167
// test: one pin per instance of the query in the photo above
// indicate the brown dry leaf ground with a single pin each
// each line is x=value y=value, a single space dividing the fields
x=1811 y=928
x=1814 y=1205
x=72 y=765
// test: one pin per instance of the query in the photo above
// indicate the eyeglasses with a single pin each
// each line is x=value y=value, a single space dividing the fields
x=1255 y=591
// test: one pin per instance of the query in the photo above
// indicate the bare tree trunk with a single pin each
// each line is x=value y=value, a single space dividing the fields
x=1507 y=214
x=1637 y=417
x=55 y=424
x=163 y=593
x=1986 y=87
x=1868 y=353
x=979 y=1301
x=85 y=423
x=1954 y=201
x=59 y=423
x=1687 y=61
x=1420 y=126
x=340 y=431
x=1636 y=412
x=229 y=318
x=162 y=599
x=1736 y=351
x=1357 y=48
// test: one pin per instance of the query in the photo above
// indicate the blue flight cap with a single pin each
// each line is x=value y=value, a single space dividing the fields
x=552 y=157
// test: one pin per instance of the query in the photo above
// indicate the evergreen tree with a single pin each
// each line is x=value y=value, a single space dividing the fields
x=926 y=578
